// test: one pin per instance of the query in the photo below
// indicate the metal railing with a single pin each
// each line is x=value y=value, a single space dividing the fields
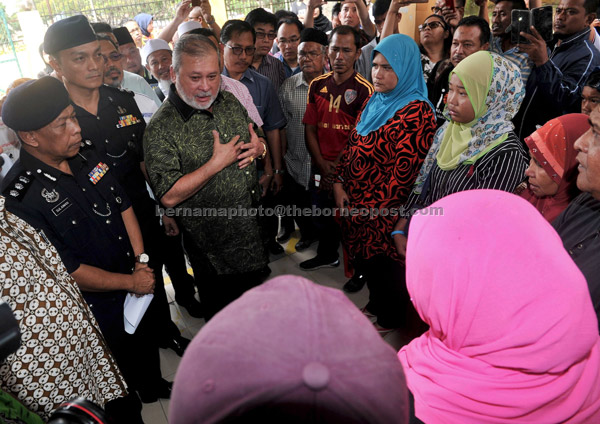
x=8 y=52
x=113 y=12
x=238 y=9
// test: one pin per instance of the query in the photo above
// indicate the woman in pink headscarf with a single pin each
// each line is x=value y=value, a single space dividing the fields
x=513 y=334
x=552 y=172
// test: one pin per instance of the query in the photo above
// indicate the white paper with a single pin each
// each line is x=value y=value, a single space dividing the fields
x=135 y=308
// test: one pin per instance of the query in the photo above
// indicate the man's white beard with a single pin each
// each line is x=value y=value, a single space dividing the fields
x=164 y=86
x=191 y=101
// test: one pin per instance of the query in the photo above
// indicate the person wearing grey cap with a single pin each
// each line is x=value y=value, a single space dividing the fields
x=289 y=351
x=111 y=120
x=61 y=187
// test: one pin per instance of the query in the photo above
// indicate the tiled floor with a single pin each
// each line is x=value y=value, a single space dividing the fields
x=157 y=412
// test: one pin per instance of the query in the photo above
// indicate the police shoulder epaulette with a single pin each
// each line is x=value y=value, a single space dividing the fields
x=19 y=185
x=119 y=89
x=126 y=91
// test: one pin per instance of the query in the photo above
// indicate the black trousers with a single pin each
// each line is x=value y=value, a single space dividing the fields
x=136 y=354
x=218 y=290
x=158 y=316
x=125 y=410
x=388 y=296
x=324 y=223
x=174 y=259
x=294 y=194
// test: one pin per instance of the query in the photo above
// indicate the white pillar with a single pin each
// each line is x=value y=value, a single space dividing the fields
x=33 y=30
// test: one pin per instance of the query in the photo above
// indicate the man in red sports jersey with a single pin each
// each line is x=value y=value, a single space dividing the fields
x=334 y=101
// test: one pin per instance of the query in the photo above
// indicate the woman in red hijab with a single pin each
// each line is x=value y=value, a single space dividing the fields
x=552 y=172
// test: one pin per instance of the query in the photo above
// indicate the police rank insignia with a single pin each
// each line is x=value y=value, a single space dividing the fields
x=121 y=110
x=127 y=120
x=98 y=172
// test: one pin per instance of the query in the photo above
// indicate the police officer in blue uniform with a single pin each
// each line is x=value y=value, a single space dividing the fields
x=111 y=120
x=68 y=193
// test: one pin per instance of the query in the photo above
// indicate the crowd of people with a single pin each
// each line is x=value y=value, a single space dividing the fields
x=459 y=173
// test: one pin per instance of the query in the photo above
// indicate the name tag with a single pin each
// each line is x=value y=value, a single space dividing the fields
x=61 y=207
x=98 y=172
x=127 y=120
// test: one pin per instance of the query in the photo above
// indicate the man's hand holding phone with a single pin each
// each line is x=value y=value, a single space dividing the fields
x=536 y=49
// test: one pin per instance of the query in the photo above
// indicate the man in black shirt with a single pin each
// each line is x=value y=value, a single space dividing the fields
x=111 y=120
x=561 y=68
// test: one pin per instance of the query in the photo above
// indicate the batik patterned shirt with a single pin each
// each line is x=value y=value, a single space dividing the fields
x=63 y=354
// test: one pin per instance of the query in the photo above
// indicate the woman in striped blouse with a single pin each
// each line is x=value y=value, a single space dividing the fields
x=477 y=147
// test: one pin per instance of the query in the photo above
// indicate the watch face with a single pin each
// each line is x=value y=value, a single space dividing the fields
x=144 y=258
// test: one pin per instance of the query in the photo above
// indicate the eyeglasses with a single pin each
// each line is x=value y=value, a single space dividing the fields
x=290 y=41
x=436 y=9
x=309 y=55
x=114 y=57
x=263 y=35
x=238 y=50
x=431 y=25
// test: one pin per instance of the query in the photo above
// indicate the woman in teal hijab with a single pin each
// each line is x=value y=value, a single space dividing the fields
x=402 y=55
x=377 y=169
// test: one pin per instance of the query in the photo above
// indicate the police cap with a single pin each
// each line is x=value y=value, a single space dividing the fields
x=67 y=33
x=34 y=104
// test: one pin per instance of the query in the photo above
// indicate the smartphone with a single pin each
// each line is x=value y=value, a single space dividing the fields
x=450 y=4
x=196 y=3
x=542 y=21
x=520 y=22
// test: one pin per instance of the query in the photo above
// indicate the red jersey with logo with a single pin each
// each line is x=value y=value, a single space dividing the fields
x=333 y=109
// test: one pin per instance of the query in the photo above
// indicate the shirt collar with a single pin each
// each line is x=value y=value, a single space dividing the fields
x=246 y=74
x=584 y=34
x=300 y=79
x=185 y=110
x=104 y=99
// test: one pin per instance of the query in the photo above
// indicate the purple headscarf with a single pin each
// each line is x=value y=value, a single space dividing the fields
x=143 y=20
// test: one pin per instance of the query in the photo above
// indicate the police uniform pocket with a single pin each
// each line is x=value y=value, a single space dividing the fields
x=73 y=226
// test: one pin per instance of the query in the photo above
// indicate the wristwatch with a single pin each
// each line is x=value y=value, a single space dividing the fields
x=142 y=258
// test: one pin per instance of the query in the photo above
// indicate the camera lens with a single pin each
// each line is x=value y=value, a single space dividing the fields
x=78 y=411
